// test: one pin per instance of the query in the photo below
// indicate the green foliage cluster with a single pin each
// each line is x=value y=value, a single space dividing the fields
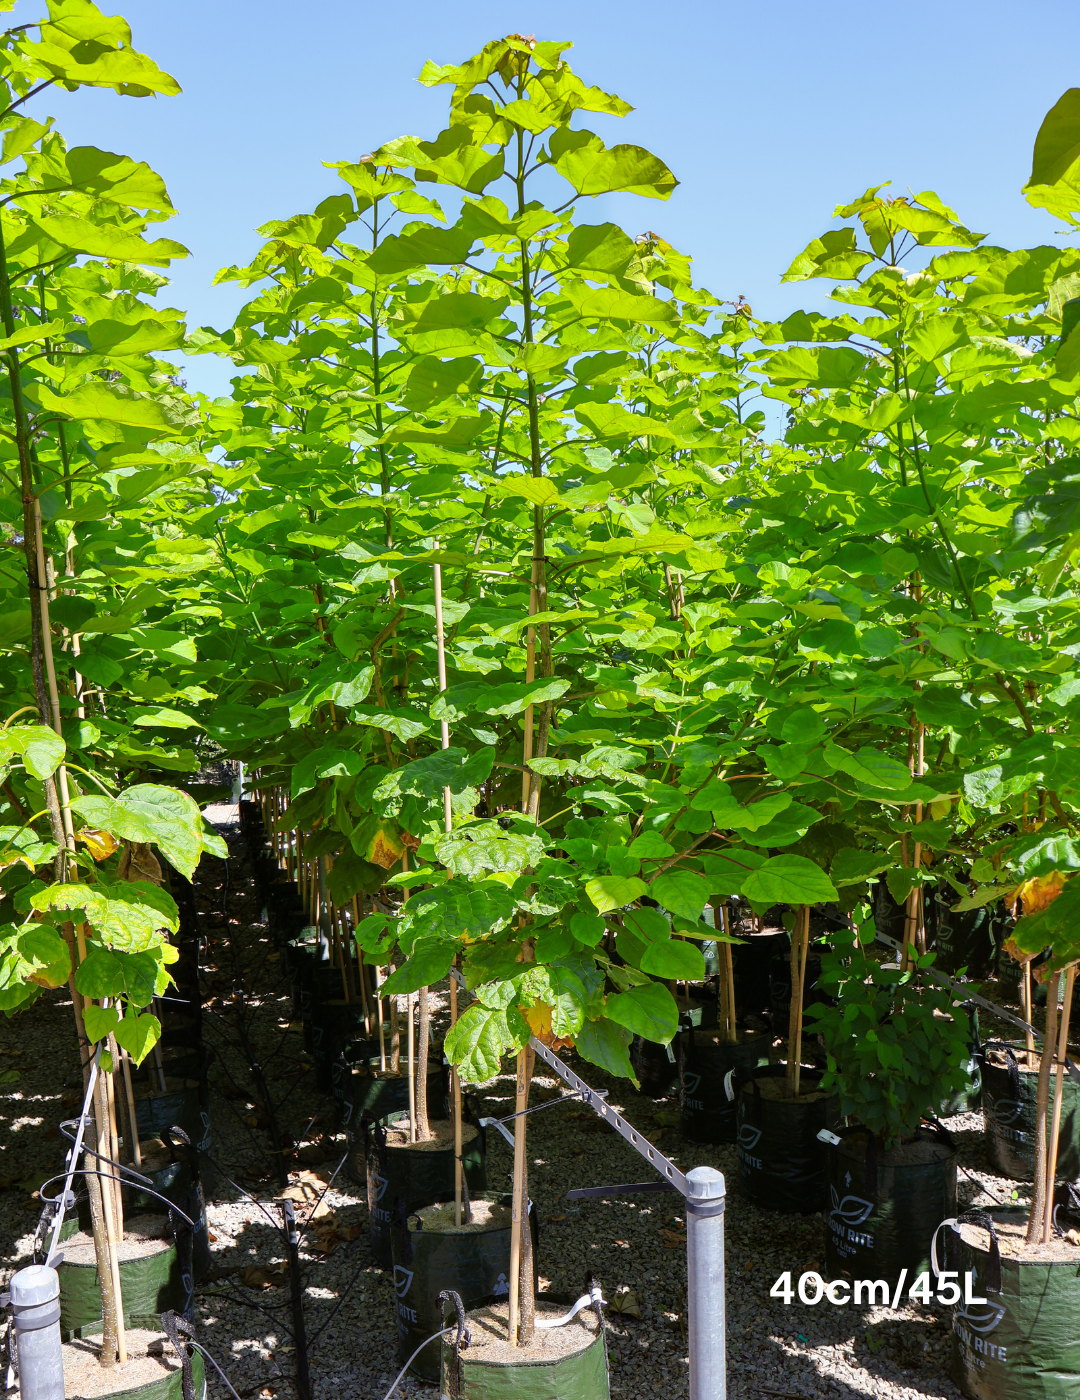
x=684 y=662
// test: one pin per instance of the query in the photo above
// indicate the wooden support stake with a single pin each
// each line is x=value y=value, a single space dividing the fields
x=1059 y=1090
x=133 y=1146
x=518 y=1212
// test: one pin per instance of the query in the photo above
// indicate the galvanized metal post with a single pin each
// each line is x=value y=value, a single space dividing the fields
x=706 y=1319
x=35 y=1303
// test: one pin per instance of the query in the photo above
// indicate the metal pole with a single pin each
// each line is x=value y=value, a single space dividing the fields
x=706 y=1322
x=35 y=1304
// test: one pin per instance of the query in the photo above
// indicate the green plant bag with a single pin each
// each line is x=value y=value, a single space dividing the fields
x=1021 y=1342
x=401 y=1178
x=882 y=1216
x=170 y=1386
x=581 y=1376
x=1010 y=1118
x=150 y=1286
x=365 y=1095
x=475 y=1264
x=968 y=1098
x=782 y=1163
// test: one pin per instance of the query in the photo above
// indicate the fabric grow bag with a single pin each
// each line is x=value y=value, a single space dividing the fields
x=1020 y=1341
x=169 y=1385
x=782 y=1164
x=373 y=1095
x=473 y=1261
x=334 y=1023
x=1010 y=1118
x=150 y=1286
x=403 y=1177
x=706 y=1092
x=655 y=1066
x=883 y=1214
x=968 y=1098
x=582 y=1375
x=966 y=938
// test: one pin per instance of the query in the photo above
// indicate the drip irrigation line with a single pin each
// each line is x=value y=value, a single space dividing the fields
x=216 y=1367
x=318 y=1203
x=231 y=1296
x=106 y=1176
x=243 y=1191
x=575 y=1097
x=367 y=1263
x=245 y=1017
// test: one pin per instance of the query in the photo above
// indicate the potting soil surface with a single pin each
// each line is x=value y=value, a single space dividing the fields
x=86 y=1379
x=1012 y=1243
x=442 y=1137
x=483 y=1215
x=143 y=1236
x=634 y=1244
x=488 y=1337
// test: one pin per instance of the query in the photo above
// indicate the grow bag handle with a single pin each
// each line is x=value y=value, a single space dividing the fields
x=984 y=1221
x=175 y=1328
x=461 y=1340
x=1011 y=1062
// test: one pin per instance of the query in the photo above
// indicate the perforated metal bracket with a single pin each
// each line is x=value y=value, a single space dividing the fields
x=640 y=1144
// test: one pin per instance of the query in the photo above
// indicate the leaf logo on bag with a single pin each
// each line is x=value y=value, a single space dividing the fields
x=852 y=1210
x=402 y=1280
x=381 y=1183
x=1005 y=1111
x=748 y=1136
x=691 y=1082
x=982 y=1317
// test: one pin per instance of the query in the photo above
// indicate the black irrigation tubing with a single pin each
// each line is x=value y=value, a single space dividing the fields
x=367 y=1263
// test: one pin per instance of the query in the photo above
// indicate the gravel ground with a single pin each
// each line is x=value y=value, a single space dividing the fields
x=630 y=1243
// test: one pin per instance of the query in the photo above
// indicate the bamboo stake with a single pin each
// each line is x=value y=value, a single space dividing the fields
x=114 y=1144
x=455 y=1108
x=521 y=1103
x=1059 y=1090
x=129 y=1092
x=108 y=1210
x=361 y=975
x=1025 y=997
x=382 y=1024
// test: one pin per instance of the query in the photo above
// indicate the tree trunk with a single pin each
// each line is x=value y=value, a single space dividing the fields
x=107 y=1355
x=1042 y=1103
x=423 y=1128
x=800 y=939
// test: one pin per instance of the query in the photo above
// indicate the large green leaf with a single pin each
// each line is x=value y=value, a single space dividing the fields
x=788 y=880
x=682 y=891
x=607 y=1044
x=674 y=958
x=646 y=1011
x=482 y=1035
x=609 y=892
x=428 y=962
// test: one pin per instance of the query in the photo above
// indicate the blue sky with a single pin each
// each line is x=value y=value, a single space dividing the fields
x=769 y=115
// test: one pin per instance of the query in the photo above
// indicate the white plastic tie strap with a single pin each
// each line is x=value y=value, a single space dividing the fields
x=729 y=1086
x=507 y=1134
x=585 y=1301
x=828 y=1137
x=945 y=1225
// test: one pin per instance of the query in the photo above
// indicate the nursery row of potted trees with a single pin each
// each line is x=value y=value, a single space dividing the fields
x=488 y=567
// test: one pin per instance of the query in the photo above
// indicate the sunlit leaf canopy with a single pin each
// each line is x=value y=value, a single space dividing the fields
x=686 y=662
